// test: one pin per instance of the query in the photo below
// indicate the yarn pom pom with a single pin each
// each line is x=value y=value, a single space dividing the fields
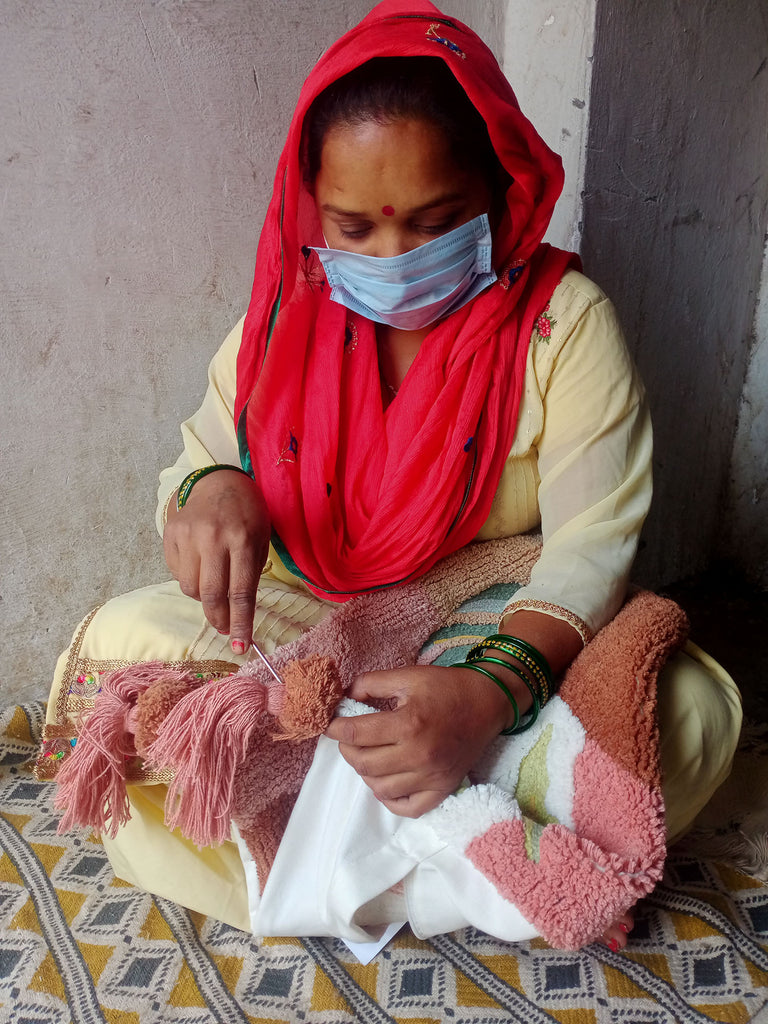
x=313 y=688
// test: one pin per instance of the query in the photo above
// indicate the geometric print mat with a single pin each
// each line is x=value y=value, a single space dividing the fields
x=79 y=945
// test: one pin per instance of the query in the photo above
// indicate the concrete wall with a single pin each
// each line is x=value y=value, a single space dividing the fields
x=746 y=538
x=675 y=213
x=548 y=59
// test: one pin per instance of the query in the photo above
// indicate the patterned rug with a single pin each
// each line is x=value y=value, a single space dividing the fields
x=78 y=945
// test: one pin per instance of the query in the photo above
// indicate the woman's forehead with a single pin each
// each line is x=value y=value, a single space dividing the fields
x=402 y=164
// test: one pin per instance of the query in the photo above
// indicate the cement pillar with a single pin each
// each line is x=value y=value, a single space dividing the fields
x=675 y=216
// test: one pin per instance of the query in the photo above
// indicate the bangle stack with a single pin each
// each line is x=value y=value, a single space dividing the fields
x=537 y=676
x=191 y=479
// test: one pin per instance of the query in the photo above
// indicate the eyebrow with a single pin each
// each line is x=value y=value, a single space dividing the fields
x=451 y=197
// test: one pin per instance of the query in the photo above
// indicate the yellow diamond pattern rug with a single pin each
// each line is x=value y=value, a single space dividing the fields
x=78 y=946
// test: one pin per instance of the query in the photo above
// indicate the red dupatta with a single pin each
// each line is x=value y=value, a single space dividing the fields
x=361 y=496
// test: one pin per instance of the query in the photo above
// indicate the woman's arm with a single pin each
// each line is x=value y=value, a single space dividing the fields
x=419 y=753
x=593 y=442
x=217 y=544
x=216 y=547
x=209 y=434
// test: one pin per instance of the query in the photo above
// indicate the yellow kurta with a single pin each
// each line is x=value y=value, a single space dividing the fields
x=579 y=468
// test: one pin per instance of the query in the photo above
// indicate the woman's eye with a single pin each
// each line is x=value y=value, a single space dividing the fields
x=436 y=229
x=353 y=232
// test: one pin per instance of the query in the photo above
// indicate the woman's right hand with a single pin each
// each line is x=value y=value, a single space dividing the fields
x=216 y=547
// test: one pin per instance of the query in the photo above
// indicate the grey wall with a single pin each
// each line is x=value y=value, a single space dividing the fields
x=548 y=59
x=675 y=212
x=745 y=539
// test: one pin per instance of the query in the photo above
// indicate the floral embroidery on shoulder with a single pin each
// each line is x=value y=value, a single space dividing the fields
x=543 y=325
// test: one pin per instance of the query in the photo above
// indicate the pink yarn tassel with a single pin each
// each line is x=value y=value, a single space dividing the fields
x=91 y=782
x=204 y=740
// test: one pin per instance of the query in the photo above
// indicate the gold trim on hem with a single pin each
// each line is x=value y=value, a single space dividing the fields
x=556 y=611
x=71 y=708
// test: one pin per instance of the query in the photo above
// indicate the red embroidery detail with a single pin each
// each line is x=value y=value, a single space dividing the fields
x=291 y=450
x=511 y=273
x=313 y=272
x=350 y=337
x=544 y=324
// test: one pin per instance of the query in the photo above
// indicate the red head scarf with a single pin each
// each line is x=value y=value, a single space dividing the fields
x=362 y=497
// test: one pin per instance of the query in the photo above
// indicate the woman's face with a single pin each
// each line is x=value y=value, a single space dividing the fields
x=383 y=190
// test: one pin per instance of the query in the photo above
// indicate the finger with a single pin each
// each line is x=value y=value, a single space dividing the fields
x=171 y=552
x=415 y=804
x=188 y=575
x=376 y=686
x=399 y=785
x=393 y=771
x=374 y=730
x=214 y=590
x=382 y=763
x=243 y=583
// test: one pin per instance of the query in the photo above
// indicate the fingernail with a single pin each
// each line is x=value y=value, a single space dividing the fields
x=223 y=632
x=238 y=646
x=624 y=928
x=614 y=944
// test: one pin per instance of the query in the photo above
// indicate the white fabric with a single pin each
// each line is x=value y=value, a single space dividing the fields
x=342 y=850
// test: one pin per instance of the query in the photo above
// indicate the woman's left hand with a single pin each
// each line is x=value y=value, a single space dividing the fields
x=417 y=754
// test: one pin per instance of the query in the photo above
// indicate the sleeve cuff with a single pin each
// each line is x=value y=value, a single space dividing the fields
x=555 y=610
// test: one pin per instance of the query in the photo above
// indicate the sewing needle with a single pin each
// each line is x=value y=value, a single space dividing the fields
x=266 y=661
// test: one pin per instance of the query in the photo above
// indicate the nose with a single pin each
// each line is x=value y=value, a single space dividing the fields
x=393 y=242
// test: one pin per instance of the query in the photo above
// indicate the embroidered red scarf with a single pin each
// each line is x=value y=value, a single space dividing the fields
x=360 y=496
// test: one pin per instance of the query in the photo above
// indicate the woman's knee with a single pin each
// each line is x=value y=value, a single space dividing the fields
x=699 y=723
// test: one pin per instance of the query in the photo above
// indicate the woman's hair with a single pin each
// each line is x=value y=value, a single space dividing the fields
x=388 y=89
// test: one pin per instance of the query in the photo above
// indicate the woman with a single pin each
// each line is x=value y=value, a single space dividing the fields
x=416 y=370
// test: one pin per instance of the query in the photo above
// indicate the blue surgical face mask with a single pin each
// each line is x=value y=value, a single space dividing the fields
x=415 y=289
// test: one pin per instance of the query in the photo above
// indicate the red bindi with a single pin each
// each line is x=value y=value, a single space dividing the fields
x=388 y=211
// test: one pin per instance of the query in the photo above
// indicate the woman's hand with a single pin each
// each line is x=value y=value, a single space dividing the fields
x=419 y=753
x=216 y=547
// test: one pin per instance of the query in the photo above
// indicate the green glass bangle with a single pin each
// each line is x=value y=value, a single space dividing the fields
x=537 y=675
x=529 y=649
x=501 y=686
x=536 y=662
x=520 y=656
x=534 y=713
x=191 y=479
x=519 y=649
x=530 y=685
